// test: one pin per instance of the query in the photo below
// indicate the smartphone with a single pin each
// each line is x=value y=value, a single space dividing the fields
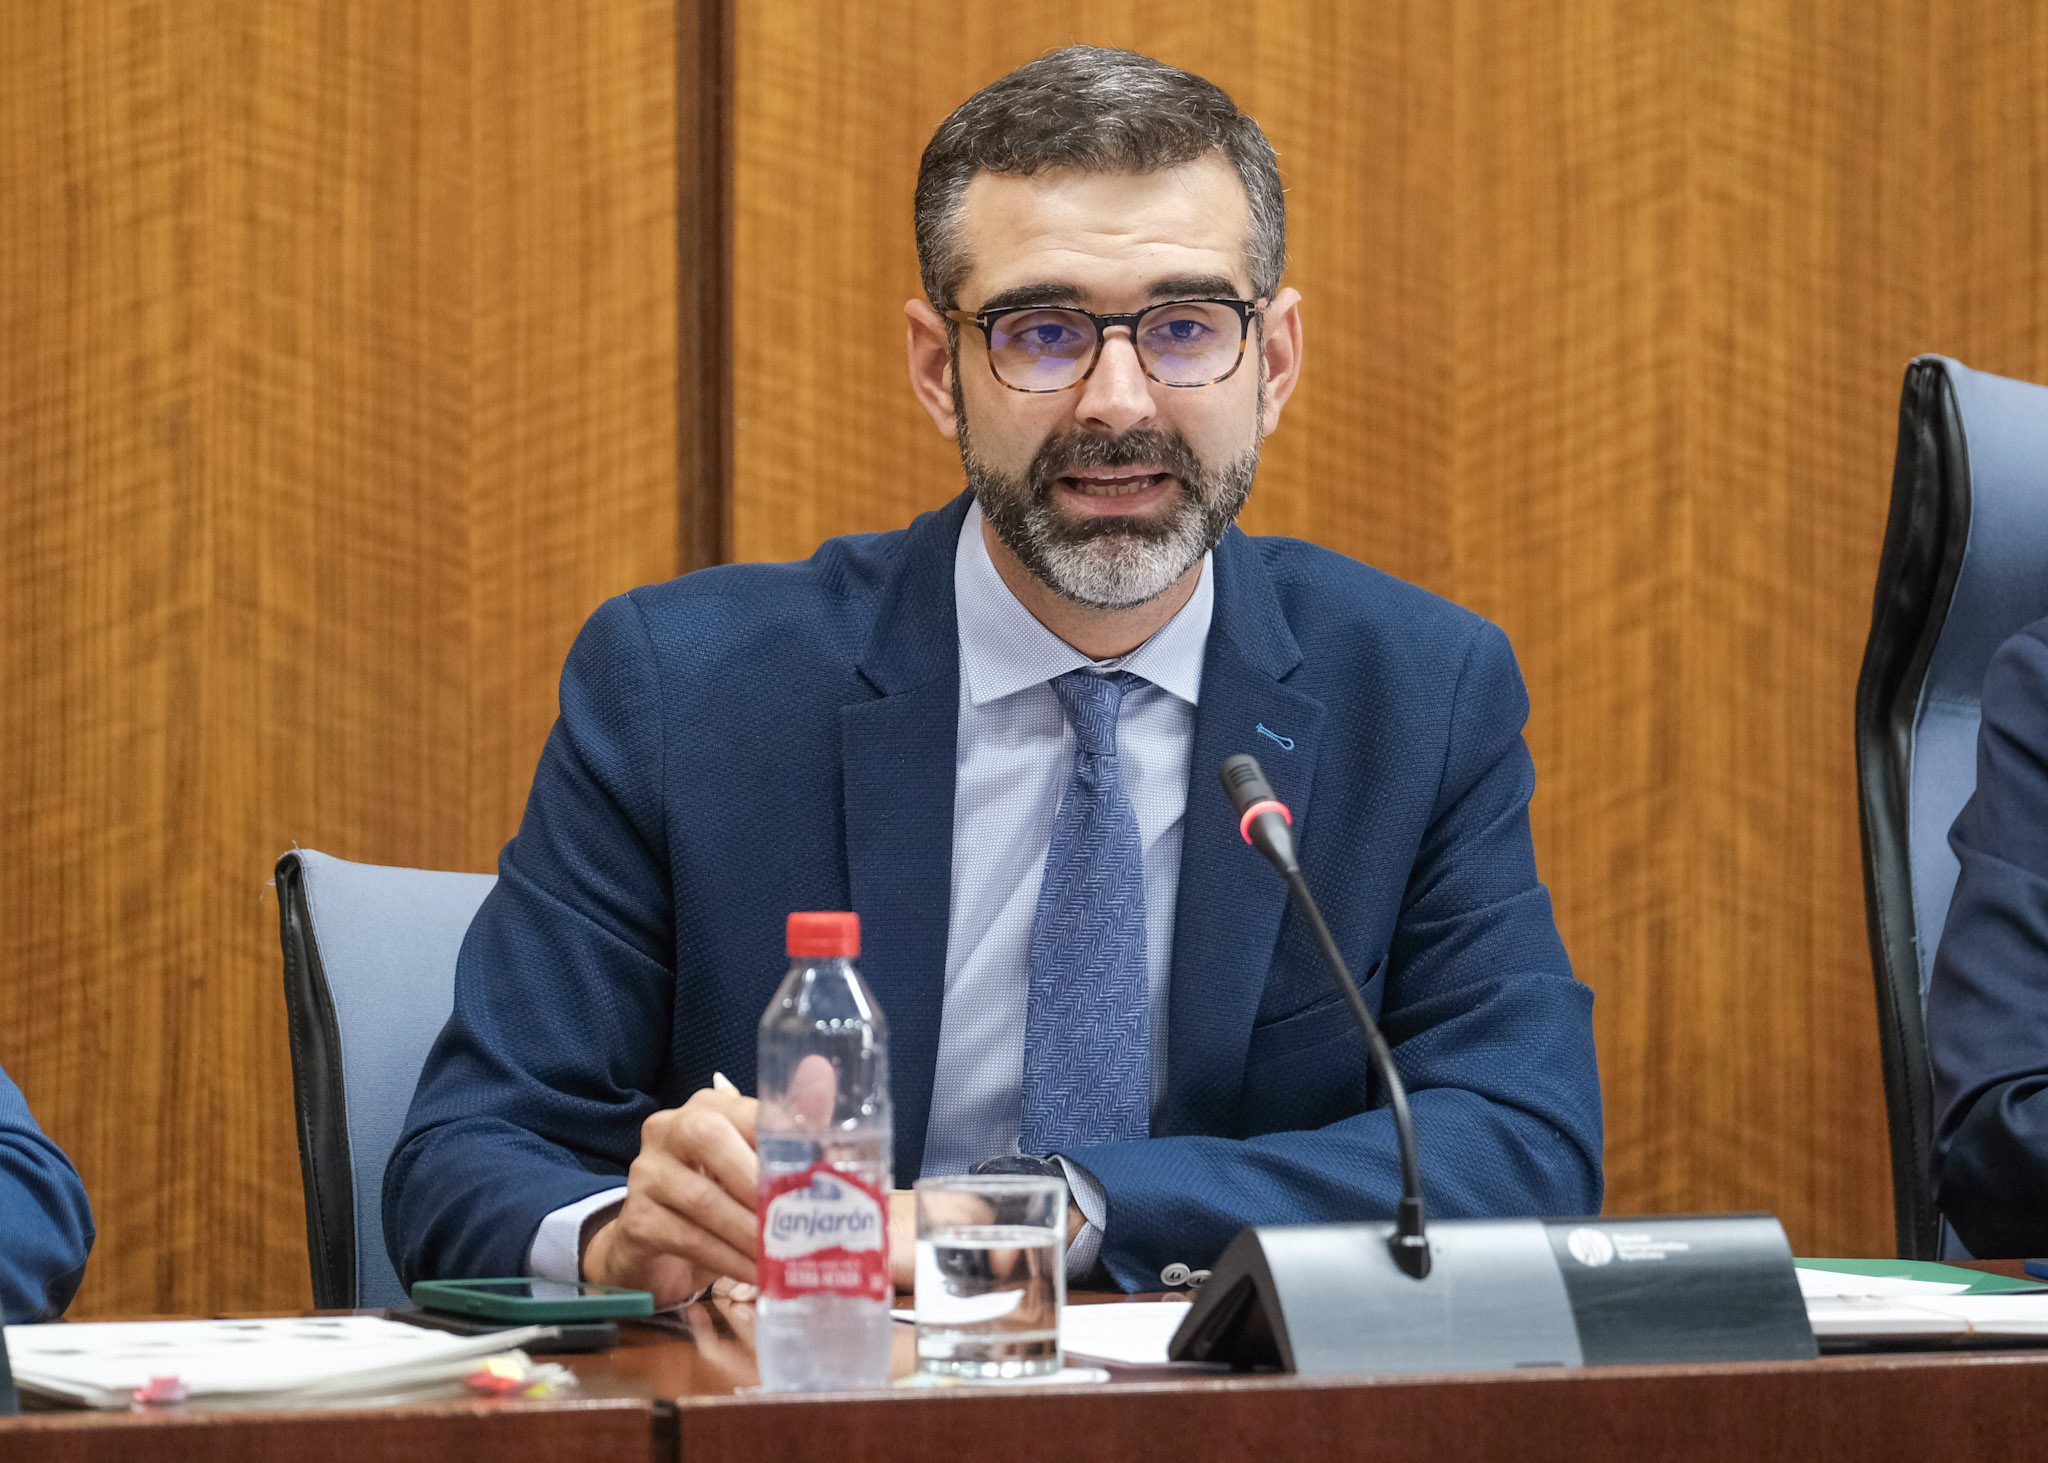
x=559 y=1336
x=530 y=1302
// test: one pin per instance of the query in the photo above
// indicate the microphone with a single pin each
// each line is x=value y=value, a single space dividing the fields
x=1267 y=826
x=1478 y=1294
x=1262 y=818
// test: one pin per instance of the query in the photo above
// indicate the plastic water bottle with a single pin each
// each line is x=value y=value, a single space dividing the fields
x=822 y=1321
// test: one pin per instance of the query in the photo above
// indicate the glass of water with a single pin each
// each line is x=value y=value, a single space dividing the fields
x=991 y=1275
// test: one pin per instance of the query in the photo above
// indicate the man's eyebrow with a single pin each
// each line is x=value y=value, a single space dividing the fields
x=1178 y=287
x=1192 y=287
x=1033 y=294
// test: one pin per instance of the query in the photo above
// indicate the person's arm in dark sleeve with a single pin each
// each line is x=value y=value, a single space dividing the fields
x=1987 y=1001
x=534 y=1093
x=1490 y=1031
x=46 y=1228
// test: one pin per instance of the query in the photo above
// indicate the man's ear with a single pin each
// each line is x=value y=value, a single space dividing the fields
x=1283 y=354
x=931 y=365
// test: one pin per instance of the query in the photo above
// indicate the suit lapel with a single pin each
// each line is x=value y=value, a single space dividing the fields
x=1231 y=902
x=898 y=765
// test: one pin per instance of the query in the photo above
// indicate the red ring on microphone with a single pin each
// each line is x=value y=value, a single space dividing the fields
x=1267 y=805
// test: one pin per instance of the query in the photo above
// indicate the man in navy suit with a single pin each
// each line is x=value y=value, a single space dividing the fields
x=924 y=726
x=1987 y=1001
x=46 y=1226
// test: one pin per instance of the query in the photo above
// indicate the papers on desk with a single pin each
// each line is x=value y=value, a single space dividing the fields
x=298 y=1361
x=1878 y=1317
x=1131 y=1333
x=1841 y=1285
x=1887 y=1277
x=1902 y=1300
x=1134 y=1334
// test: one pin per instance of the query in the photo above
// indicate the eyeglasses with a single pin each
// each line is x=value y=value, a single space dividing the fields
x=1042 y=348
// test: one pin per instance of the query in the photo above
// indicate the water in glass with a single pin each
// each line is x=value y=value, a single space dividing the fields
x=988 y=1301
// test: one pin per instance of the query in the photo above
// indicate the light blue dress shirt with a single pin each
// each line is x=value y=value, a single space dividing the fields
x=1014 y=758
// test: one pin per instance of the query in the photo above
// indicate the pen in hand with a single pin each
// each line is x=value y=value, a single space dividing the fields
x=727 y=1288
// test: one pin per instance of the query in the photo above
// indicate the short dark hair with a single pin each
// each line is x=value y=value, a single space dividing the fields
x=1101 y=111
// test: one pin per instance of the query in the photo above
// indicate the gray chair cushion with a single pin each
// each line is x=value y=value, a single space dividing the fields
x=370 y=979
x=2001 y=587
x=1964 y=566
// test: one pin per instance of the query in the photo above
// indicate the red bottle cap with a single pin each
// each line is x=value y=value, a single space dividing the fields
x=824 y=933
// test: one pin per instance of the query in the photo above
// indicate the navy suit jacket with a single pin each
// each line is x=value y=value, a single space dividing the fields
x=45 y=1223
x=753 y=739
x=1987 y=1003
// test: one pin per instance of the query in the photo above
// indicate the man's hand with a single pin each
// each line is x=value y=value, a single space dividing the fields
x=903 y=1239
x=903 y=1236
x=688 y=1217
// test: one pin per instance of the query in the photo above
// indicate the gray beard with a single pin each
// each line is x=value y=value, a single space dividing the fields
x=1109 y=563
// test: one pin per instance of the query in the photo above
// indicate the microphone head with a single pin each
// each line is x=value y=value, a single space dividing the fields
x=1262 y=818
x=1245 y=781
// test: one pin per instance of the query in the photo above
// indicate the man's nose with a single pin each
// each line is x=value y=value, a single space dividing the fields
x=1117 y=396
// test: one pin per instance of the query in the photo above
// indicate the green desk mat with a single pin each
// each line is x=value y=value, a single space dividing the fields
x=1979 y=1282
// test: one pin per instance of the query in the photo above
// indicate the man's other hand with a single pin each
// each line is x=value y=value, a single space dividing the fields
x=903 y=1239
x=688 y=1216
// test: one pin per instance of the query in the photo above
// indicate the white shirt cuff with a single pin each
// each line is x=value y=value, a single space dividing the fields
x=557 y=1249
x=1094 y=1205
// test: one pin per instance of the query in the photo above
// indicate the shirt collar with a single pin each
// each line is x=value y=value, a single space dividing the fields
x=1005 y=649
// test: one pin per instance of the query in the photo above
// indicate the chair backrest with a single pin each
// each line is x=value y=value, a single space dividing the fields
x=369 y=979
x=9 y=1404
x=1964 y=566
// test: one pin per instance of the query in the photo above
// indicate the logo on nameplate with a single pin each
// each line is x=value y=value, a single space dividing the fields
x=1590 y=1247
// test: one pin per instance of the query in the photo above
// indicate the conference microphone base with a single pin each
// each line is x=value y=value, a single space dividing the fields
x=1328 y=1299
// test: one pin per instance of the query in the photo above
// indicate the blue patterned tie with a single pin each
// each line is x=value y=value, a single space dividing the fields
x=1087 y=1021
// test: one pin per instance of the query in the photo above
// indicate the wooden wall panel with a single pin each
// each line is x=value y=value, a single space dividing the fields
x=339 y=384
x=1606 y=309
x=1801 y=219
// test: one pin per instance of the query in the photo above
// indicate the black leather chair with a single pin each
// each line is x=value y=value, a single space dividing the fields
x=369 y=979
x=1964 y=566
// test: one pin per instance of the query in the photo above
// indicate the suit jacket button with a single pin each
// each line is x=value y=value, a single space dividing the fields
x=1175 y=1274
x=1198 y=1277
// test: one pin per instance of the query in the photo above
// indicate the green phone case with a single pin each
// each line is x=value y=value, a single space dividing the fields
x=482 y=1298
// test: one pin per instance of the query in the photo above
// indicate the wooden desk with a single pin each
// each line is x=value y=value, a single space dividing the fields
x=1920 y=1407
x=580 y=1431
x=666 y=1394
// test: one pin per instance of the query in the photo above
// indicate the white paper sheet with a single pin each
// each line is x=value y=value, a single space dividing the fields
x=1066 y=1376
x=1827 y=1284
x=1133 y=1333
x=1933 y=1315
x=245 y=1362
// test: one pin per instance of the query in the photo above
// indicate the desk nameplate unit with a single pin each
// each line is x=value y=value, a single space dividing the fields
x=1327 y=1299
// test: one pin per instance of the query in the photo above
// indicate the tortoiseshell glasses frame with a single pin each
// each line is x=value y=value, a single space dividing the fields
x=999 y=343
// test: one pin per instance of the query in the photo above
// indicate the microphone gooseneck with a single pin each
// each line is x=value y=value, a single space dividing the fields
x=1267 y=826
